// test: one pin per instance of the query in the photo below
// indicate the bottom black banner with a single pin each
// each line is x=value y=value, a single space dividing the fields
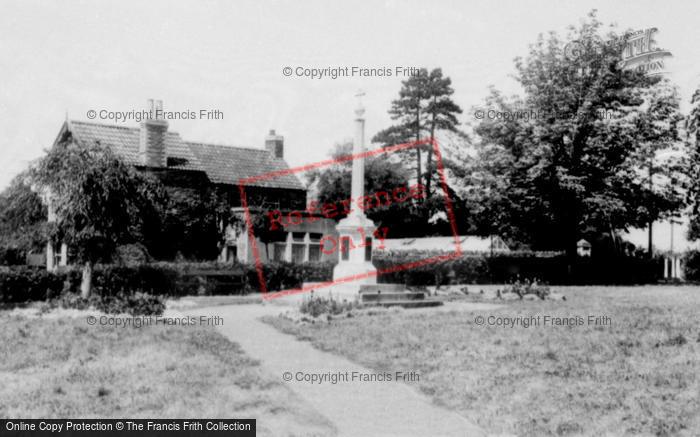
x=128 y=427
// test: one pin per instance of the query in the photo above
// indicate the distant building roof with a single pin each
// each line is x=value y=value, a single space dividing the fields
x=222 y=164
x=467 y=243
x=227 y=165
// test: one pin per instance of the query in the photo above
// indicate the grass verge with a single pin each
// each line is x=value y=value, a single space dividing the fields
x=639 y=375
x=63 y=367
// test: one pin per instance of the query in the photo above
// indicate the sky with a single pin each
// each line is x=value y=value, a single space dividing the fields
x=69 y=57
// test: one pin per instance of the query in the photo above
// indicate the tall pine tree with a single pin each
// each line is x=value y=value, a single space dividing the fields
x=424 y=108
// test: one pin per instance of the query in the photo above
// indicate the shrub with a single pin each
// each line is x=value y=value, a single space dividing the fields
x=317 y=271
x=73 y=300
x=23 y=284
x=12 y=256
x=284 y=276
x=521 y=288
x=132 y=254
x=404 y=267
x=691 y=265
x=112 y=280
x=136 y=304
x=315 y=306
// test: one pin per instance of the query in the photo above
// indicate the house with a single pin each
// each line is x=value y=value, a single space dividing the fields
x=467 y=243
x=187 y=165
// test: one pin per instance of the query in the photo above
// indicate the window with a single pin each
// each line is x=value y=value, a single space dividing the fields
x=280 y=249
x=314 y=252
x=298 y=247
x=368 y=249
x=315 y=246
x=57 y=255
x=345 y=248
x=298 y=253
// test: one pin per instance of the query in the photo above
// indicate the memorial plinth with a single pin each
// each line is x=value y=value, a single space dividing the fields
x=355 y=260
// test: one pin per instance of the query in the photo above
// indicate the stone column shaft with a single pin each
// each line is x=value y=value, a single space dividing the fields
x=358 y=164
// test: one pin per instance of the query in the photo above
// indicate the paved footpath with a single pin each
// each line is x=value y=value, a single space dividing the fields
x=356 y=409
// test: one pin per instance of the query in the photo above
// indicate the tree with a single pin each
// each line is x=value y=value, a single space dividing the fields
x=441 y=112
x=658 y=122
x=570 y=159
x=22 y=217
x=407 y=110
x=381 y=174
x=692 y=128
x=262 y=227
x=194 y=224
x=424 y=107
x=99 y=201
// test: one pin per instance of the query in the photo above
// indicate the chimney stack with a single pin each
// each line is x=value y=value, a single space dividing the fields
x=152 y=148
x=275 y=144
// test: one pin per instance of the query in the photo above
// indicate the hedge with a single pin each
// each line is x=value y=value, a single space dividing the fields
x=550 y=268
x=113 y=280
x=12 y=256
x=22 y=284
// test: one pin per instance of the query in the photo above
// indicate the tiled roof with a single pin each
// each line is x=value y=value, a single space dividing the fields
x=222 y=164
x=227 y=165
x=124 y=141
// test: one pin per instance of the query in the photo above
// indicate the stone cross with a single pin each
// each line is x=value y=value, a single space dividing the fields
x=360 y=93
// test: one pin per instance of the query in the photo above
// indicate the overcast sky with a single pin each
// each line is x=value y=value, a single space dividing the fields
x=73 y=56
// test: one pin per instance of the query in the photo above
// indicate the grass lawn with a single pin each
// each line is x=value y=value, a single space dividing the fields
x=63 y=367
x=638 y=376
